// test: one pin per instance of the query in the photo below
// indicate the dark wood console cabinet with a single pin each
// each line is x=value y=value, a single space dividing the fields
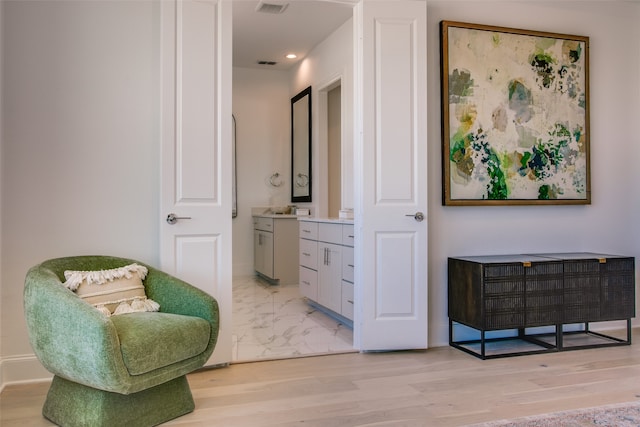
x=521 y=292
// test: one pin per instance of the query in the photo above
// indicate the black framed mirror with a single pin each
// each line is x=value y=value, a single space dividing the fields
x=301 y=146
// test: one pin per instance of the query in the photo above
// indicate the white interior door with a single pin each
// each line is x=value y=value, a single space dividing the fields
x=391 y=183
x=196 y=151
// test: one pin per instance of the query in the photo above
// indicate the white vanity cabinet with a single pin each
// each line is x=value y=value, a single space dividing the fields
x=275 y=248
x=326 y=264
x=330 y=276
x=308 y=259
x=347 y=271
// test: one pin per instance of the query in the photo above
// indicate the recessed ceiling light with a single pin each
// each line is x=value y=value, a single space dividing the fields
x=292 y=56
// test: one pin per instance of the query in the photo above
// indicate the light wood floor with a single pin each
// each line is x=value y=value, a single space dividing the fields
x=438 y=387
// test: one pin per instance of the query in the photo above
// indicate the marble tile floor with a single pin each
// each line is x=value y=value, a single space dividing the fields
x=275 y=322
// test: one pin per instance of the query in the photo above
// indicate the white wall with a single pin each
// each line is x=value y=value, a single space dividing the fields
x=330 y=61
x=80 y=144
x=609 y=224
x=261 y=105
x=80 y=151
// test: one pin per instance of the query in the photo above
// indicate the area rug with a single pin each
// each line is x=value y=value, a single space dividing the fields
x=616 y=415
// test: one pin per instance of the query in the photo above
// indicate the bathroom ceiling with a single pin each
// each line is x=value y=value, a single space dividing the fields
x=259 y=36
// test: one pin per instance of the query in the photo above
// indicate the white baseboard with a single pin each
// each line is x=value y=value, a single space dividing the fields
x=24 y=368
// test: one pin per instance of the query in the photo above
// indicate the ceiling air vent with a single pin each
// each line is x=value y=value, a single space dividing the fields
x=267 y=62
x=273 y=8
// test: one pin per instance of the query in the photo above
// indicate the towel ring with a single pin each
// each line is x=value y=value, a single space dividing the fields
x=275 y=181
x=302 y=180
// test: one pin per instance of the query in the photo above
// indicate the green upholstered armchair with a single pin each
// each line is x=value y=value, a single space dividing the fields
x=127 y=369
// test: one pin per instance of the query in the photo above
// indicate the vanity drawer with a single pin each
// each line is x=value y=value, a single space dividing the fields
x=309 y=253
x=347 y=264
x=347 y=235
x=309 y=283
x=347 y=300
x=330 y=233
x=262 y=223
x=308 y=230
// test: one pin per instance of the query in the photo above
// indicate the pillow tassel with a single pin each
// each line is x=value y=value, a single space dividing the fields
x=74 y=278
x=104 y=310
x=138 y=305
x=73 y=281
x=151 y=305
x=123 y=308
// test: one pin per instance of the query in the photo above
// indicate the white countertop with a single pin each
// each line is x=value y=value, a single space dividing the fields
x=272 y=215
x=330 y=220
x=305 y=218
x=264 y=212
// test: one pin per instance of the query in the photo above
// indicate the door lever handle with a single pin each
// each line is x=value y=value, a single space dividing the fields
x=173 y=218
x=418 y=216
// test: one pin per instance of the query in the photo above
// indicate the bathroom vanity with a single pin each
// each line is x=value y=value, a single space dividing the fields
x=275 y=247
x=326 y=265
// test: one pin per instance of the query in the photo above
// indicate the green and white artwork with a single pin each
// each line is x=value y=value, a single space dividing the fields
x=515 y=116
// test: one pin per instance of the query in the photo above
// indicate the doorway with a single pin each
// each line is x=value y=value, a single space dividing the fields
x=262 y=313
x=389 y=135
x=334 y=149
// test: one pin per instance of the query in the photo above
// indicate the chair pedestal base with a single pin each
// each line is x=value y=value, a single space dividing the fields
x=72 y=404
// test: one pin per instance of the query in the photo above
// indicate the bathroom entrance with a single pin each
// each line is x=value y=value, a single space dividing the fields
x=386 y=79
x=262 y=109
x=334 y=148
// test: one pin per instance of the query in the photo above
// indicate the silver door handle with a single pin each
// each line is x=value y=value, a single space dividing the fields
x=418 y=216
x=173 y=218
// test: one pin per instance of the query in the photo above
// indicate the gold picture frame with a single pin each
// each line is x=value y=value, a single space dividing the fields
x=515 y=116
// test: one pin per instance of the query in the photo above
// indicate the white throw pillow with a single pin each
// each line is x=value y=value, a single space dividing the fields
x=115 y=291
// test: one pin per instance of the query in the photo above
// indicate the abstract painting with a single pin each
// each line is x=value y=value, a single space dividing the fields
x=515 y=112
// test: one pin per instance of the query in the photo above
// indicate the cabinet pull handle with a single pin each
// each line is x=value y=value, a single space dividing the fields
x=306 y=254
x=306 y=283
x=350 y=301
x=350 y=265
